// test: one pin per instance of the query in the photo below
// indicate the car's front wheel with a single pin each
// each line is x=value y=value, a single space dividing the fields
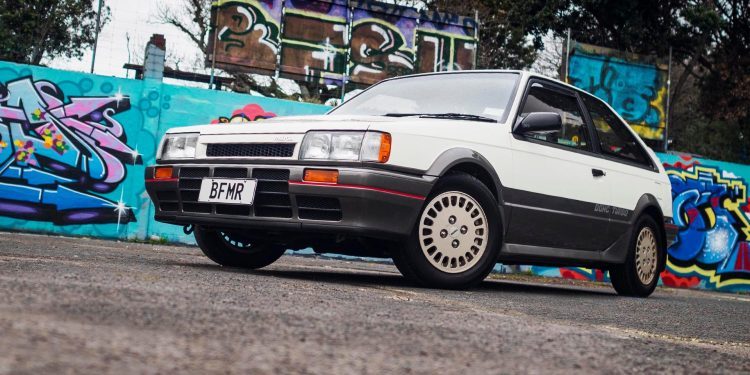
x=232 y=249
x=455 y=243
x=639 y=274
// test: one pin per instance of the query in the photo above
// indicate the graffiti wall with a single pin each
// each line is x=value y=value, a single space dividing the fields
x=316 y=35
x=712 y=210
x=333 y=41
x=635 y=86
x=445 y=42
x=73 y=146
x=249 y=34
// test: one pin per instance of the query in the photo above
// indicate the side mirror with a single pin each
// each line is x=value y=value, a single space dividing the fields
x=540 y=122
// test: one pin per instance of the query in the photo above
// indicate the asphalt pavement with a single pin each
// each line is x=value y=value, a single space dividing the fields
x=71 y=305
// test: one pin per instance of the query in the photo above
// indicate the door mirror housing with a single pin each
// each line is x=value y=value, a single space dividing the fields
x=539 y=122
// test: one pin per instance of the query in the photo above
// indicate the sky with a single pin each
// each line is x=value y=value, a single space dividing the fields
x=135 y=19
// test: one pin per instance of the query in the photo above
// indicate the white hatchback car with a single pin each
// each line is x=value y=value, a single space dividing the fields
x=446 y=173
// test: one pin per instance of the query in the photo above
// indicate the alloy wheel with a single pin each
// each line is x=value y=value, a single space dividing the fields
x=453 y=232
x=646 y=255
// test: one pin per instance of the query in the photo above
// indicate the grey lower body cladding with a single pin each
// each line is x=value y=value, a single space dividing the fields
x=364 y=202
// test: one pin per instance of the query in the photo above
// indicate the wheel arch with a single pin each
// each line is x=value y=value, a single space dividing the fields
x=468 y=161
x=464 y=160
x=649 y=205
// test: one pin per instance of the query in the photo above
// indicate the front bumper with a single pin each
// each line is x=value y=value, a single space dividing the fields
x=365 y=202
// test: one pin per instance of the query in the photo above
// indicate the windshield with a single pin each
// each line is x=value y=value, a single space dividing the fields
x=481 y=95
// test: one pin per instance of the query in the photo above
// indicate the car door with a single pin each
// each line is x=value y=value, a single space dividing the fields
x=629 y=168
x=559 y=191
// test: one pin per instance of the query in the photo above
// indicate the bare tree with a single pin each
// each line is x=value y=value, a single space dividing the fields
x=549 y=61
x=193 y=18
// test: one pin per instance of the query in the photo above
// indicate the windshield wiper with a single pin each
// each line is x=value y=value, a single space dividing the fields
x=450 y=116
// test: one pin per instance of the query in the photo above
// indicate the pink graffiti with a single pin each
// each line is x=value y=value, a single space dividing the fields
x=248 y=113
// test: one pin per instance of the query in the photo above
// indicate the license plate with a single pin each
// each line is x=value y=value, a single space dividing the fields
x=225 y=190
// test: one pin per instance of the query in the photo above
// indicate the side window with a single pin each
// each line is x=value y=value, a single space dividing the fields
x=614 y=137
x=574 y=133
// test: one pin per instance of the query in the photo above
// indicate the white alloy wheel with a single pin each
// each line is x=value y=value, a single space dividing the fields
x=646 y=256
x=453 y=232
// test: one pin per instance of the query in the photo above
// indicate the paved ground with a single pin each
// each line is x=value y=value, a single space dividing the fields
x=89 y=306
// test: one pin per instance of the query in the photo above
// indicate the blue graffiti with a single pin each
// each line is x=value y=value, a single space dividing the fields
x=57 y=154
x=711 y=228
x=631 y=89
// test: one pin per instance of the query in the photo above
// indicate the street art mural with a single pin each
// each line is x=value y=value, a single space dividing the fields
x=382 y=41
x=340 y=41
x=315 y=40
x=248 y=34
x=712 y=210
x=59 y=153
x=445 y=42
x=635 y=86
x=73 y=147
x=248 y=113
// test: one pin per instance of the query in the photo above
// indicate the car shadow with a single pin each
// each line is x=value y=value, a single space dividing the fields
x=353 y=278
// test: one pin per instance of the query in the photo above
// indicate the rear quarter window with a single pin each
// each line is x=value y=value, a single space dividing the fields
x=614 y=138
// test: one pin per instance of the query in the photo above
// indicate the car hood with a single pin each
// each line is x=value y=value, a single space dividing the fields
x=287 y=125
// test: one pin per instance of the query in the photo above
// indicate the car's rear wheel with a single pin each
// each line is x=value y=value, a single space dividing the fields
x=455 y=243
x=232 y=249
x=639 y=274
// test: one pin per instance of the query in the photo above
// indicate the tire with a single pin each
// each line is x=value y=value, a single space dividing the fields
x=232 y=250
x=638 y=276
x=455 y=243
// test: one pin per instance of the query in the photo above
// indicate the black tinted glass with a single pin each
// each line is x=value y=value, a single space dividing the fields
x=614 y=138
x=574 y=133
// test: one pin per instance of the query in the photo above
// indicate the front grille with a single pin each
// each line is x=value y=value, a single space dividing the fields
x=319 y=208
x=169 y=206
x=271 y=174
x=190 y=184
x=253 y=150
x=201 y=208
x=271 y=195
x=168 y=201
x=194 y=172
x=190 y=195
x=230 y=172
x=189 y=188
x=233 y=209
x=166 y=196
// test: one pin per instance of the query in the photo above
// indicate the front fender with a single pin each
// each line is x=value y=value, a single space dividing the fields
x=459 y=155
x=461 y=158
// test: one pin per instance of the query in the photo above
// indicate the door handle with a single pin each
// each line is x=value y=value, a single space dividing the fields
x=598 y=173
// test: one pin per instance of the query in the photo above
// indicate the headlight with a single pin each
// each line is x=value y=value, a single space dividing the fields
x=179 y=146
x=354 y=146
x=346 y=146
x=376 y=147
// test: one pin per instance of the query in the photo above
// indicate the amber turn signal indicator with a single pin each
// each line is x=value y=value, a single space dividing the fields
x=321 y=175
x=162 y=173
x=385 y=147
